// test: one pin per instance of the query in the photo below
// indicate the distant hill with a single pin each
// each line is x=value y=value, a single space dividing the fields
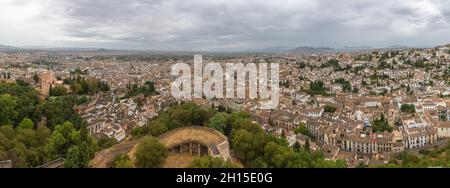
x=308 y=49
x=395 y=47
x=75 y=49
x=445 y=45
x=278 y=49
x=355 y=48
x=8 y=48
x=269 y=50
x=5 y=48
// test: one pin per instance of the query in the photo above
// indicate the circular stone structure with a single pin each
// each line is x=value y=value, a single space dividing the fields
x=193 y=140
x=196 y=140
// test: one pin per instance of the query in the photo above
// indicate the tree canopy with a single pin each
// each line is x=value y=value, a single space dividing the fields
x=210 y=162
x=301 y=129
x=122 y=161
x=34 y=132
x=408 y=108
x=150 y=153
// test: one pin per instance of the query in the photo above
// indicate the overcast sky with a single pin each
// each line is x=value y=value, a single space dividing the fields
x=229 y=25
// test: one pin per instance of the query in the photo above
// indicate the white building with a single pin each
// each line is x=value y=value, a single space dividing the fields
x=418 y=134
x=443 y=129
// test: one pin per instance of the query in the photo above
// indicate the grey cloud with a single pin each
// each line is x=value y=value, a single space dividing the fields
x=251 y=24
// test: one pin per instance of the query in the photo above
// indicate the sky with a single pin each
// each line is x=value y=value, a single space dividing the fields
x=223 y=25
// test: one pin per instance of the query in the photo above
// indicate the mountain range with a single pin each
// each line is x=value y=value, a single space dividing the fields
x=277 y=50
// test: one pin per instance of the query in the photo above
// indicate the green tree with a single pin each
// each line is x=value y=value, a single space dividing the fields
x=59 y=110
x=8 y=105
x=381 y=125
x=122 y=161
x=59 y=90
x=278 y=156
x=408 y=108
x=43 y=134
x=73 y=159
x=156 y=128
x=210 y=162
x=106 y=143
x=150 y=154
x=103 y=86
x=301 y=129
x=87 y=151
x=65 y=138
x=234 y=118
x=92 y=85
x=296 y=147
x=62 y=138
x=29 y=146
x=25 y=124
x=317 y=88
x=346 y=86
x=246 y=145
x=329 y=109
x=218 y=122
x=77 y=89
x=8 y=131
x=55 y=148
x=307 y=145
x=361 y=165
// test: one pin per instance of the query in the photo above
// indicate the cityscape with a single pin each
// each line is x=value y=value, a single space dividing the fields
x=369 y=102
